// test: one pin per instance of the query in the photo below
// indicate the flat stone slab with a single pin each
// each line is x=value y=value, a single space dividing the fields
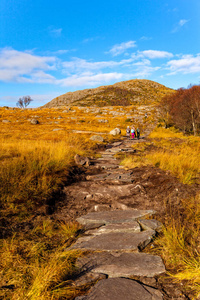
x=121 y=289
x=116 y=144
x=122 y=265
x=116 y=241
x=115 y=216
x=121 y=227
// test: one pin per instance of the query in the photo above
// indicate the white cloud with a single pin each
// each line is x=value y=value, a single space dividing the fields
x=89 y=79
x=180 y=24
x=78 y=64
x=121 y=48
x=144 y=69
x=153 y=54
x=185 y=65
x=21 y=66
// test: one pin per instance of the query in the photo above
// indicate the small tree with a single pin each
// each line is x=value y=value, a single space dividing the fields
x=24 y=101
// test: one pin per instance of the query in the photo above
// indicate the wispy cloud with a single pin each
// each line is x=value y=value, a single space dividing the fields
x=145 y=38
x=55 y=32
x=121 y=48
x=18 y=66
x=92 y=39
x=187 y=64
x=180 y=24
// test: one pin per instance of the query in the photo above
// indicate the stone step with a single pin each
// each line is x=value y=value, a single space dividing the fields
x=116 y=216
x=122 y=264
x=116 y=241
x=121 y=289
x=121 y=227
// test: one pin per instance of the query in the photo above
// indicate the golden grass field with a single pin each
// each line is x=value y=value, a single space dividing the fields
x=35 y=162
x=179 y=245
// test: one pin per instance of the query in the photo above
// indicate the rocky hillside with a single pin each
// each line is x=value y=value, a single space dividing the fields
x=121 y=94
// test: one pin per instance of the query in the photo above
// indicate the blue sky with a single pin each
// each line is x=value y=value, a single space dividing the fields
x=48 y=48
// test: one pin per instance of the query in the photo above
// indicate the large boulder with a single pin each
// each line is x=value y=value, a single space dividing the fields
x=115 y=131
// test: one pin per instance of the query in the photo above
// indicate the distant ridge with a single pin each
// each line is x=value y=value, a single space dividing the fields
x=137 y=91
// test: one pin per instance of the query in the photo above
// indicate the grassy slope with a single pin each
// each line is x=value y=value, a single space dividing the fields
x=179 y=244
x=35 y=162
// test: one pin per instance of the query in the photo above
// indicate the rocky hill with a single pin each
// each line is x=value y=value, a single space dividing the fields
x=121 y=94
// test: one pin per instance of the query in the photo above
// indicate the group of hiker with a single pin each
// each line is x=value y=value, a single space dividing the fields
x=132 y=132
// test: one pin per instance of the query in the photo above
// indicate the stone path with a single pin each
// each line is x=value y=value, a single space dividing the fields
x=116 y=234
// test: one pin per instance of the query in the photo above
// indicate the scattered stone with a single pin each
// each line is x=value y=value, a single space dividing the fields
x=97 y=138
x=5 y=121
x=57 y=129
x=115 y=131
x=122 y=265
x=118 y=205
x=119 y=289
x=151 y=224
x=102 y=207
x=102 y=121
x=34 y=121
x=81 y=160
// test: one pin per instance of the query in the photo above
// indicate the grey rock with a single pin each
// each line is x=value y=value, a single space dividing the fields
x=121 y=289
x=81 y=160
x=5 y=121
x=151 y=224
x=115 y=131
x=118 y=216
x=57 y=129
x=102 y=121
x=116 y=241
x=122 y=265
x=97 y=138
x=34 y=121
